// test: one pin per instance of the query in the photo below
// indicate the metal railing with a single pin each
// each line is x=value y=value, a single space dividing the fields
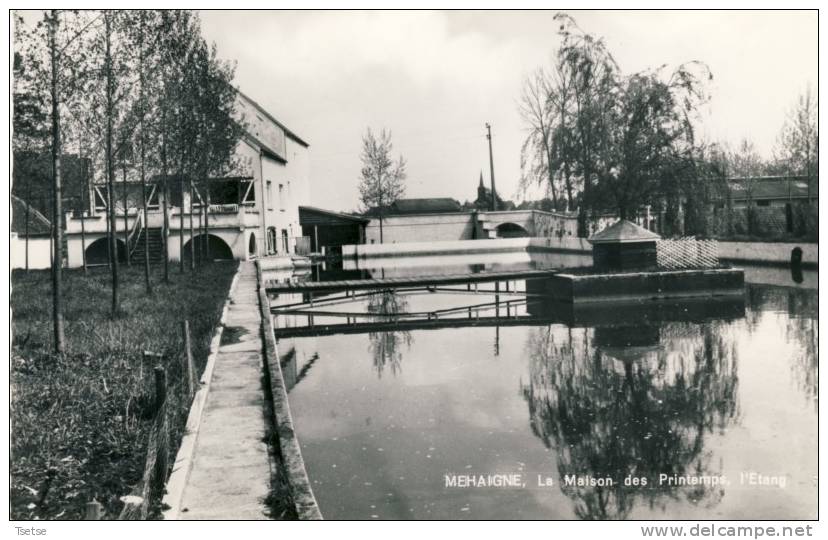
x=135 y=234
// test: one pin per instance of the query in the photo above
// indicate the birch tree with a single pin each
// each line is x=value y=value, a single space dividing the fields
x=383 y=179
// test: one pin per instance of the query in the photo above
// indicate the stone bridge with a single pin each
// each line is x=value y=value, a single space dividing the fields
x=526 y=223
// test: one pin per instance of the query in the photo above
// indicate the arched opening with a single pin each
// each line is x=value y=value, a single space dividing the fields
x=217 y=248
x=98 y=251
x=251 y=245
x=511 y=230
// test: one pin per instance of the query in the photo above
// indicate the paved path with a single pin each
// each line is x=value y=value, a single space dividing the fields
x=230 y=475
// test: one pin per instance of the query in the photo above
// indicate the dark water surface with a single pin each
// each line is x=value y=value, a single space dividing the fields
x=714 y=405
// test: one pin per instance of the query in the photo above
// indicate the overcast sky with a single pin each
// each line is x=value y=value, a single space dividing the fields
x=435 y=78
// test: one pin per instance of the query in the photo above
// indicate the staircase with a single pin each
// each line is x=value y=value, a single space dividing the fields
x=156 y=247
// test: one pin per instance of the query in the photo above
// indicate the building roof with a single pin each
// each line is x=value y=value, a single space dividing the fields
x=623 y=232
x=436 y=205
x=309 y=215
x=261 y=109
x=38 y=224
x=772 y=187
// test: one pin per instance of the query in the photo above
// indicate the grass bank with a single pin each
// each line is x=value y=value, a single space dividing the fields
x=79 y=422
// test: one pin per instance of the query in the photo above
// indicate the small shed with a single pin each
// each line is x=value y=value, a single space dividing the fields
x=31 y=242
x=624 y=246
x=331 y=230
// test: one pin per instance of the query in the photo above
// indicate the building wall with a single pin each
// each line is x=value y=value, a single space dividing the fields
x=421 y=228
x=286 y=187
x=554 y=225
x=39 y=252
x=260 y=126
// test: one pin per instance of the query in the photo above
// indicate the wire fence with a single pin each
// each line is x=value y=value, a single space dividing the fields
x=150 y=487
x=136 y=504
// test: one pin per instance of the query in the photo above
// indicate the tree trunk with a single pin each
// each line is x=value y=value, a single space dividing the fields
x=181 y=186
x=110 y=166
x=192 y=236
x=207 y=227
x=166 y=195
x=181 y=226
x=381 y=210
x=143 y=158
x=26 y=226
x=57 y=227
x=84 y=185
x=126 y=216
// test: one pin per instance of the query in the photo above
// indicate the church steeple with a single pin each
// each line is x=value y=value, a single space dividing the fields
x=481 y=179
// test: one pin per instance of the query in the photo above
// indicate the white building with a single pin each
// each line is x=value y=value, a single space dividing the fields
x=251 y=213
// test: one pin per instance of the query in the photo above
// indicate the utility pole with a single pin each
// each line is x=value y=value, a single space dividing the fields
x=491 y=166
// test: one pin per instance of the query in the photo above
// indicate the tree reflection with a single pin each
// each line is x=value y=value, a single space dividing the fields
x=386 y=347
x=802 y=329
x=634 y=401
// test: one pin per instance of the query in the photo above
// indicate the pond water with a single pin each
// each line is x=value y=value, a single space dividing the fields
x=489 y=404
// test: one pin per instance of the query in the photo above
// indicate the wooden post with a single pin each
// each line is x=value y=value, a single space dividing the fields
x=188 y=357
x=44 y=489
x=147 y=356
x=160 y=388
x=93 y=510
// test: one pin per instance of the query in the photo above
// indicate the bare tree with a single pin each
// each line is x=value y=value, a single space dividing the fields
x=798 y=143
x=383 y=179
x=746 y=167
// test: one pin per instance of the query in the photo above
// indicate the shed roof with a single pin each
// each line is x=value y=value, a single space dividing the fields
x=434 y=205
x=309 y=215
x=623 y=232
x=773 y=187
x=38 y=224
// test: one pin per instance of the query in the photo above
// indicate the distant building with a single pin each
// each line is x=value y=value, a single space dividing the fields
x=329 y=231
x=767 y=206
x=771 y=191
x=253 y=211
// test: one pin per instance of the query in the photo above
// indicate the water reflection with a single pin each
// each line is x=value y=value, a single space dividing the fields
x=632 y=401
x=386 y=347
x=801 y=329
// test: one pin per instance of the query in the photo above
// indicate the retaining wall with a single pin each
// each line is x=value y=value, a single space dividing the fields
x=576 y=245
x=634 y=286
x=778 y=253
x=294 y=466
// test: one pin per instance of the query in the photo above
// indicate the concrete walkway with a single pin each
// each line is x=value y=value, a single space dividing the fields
x=230 y=475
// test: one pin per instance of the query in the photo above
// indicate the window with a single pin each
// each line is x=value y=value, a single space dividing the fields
x=269 y=194
x=763 y=203
x=282 y=197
